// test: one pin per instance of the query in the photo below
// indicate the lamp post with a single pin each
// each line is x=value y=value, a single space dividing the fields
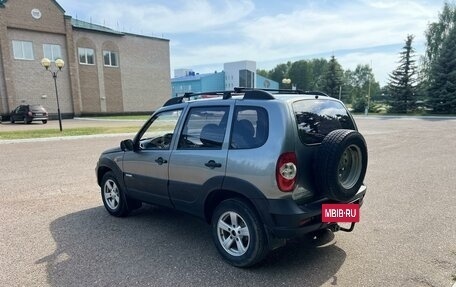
x=59 y=63
x=286 y=81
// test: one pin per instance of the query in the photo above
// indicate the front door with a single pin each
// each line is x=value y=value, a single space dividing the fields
x=146 y=168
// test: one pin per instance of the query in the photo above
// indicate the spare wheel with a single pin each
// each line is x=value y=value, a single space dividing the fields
x=341 y=164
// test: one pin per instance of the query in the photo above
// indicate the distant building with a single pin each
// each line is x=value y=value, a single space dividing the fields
x=235 y=74
x=106 y=71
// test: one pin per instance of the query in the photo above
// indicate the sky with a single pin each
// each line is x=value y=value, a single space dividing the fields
x=205 y=34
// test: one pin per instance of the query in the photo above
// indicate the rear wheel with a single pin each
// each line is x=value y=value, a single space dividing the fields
x=238 y=233
x=44 y=121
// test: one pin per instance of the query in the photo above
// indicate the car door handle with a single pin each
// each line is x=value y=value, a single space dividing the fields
x=161 y=161
x=213 y=164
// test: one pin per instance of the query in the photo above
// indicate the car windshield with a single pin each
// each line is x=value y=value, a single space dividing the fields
x=37 y=108
x=317 y=118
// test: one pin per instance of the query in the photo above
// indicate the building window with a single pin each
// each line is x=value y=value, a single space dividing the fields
x=86 y=56
x=23 y=50
x=52 y=52
x=246 y=79
x=110 y=59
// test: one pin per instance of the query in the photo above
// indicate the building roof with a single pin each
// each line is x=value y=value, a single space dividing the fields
x=193 y=77
x=58 y=6
x=79 y=24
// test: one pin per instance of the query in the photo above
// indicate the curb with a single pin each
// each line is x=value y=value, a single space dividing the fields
x=106 y=120
x=64 y=138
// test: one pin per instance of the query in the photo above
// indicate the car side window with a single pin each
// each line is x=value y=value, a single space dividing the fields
x=250 y=128
x=204 y=128
x=159 y=133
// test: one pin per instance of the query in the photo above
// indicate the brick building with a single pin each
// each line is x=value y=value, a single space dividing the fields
x=106 y=71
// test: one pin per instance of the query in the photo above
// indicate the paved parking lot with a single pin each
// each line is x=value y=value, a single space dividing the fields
x=54 y=230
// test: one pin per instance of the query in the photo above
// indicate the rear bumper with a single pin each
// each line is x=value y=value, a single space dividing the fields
x=286 y=219
x=39 y=118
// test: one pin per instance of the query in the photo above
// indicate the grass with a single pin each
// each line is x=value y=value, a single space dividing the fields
x=10 y=135
x=130 y=117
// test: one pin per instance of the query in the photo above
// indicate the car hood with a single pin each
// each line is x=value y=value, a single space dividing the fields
x=112 y=150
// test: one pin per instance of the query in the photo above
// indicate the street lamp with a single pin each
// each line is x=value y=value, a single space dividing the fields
x=286 y=81
x=59 y=63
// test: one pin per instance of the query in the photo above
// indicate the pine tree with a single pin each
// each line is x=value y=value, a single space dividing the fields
x=442 y=88
x=402 y=82
x=333 y=78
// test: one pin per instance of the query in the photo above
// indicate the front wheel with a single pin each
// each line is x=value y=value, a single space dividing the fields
x=238 y=233
x=112 y=196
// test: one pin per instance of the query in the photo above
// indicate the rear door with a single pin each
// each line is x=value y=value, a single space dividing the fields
x=198 y=164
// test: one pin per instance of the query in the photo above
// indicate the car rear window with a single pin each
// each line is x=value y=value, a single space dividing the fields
x=37 y=108
x=317 y=118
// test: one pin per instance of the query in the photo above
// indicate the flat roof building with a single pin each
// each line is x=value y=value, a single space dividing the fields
x=235 y=74
x=106 y=71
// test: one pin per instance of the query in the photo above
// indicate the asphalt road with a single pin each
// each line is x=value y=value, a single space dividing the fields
x=54 y=230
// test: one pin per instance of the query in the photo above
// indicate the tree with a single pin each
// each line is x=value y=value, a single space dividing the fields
x=263 y=73
x=442 y=85
x=436 y=34
x=280 y=72
x=319 y=68
x=357 y=88
x=333 y=78
x=402 y=81
x=300 y=74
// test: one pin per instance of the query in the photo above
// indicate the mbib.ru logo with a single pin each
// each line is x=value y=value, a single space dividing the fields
x=340 y=213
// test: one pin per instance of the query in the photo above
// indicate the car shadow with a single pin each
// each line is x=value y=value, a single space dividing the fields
x=159 y=247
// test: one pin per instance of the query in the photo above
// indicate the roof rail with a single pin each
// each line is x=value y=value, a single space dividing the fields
x=249 y=93
x=177 y=100
x=257 y=95
x=283 y=91
x=317 y=93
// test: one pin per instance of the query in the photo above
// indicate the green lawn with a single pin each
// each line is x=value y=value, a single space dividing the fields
x=132 y=117
x=66 y=132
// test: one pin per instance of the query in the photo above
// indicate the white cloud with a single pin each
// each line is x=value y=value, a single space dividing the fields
x=190 y=16
x=382 y=63
x=356 y=25
x=204 y=32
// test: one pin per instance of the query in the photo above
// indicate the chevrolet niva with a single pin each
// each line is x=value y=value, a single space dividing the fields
x=255 y=164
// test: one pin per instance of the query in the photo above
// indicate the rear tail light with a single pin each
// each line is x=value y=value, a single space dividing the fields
x=286 y=171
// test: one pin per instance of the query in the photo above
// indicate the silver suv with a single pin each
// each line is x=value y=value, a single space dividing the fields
x=257 y=165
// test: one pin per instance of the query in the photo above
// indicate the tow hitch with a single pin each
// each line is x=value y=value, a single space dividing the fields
x=336 y=227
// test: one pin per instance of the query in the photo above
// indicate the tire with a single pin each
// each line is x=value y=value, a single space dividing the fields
x=44 y=121
x=12 y=120
x=113 y=197
x=237 y=224
x=341 y=164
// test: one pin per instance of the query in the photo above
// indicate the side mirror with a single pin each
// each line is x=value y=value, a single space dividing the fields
x=127 y=145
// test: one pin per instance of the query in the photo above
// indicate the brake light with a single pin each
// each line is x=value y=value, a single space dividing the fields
x=286 y=171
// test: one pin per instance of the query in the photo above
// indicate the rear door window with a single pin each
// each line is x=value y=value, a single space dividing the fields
x=317 y=118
